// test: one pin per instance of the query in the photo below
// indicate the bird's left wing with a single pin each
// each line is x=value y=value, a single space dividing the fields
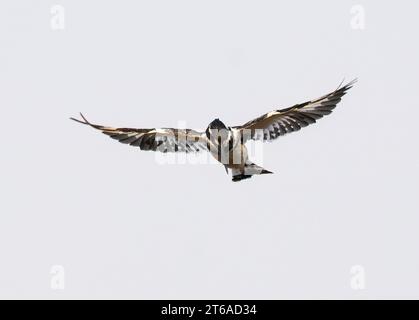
x=163 y=140
x=280 y=122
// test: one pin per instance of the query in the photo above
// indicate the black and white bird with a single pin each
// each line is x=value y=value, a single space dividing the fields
x=227 y=144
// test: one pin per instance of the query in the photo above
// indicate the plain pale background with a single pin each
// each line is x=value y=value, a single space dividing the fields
x=344 y=192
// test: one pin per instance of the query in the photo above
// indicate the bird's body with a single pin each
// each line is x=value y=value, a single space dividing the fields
x=227 y=144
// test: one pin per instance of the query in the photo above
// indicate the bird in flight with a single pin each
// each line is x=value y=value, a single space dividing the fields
x=227 y=144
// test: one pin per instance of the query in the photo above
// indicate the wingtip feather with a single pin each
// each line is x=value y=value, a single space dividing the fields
x=350 y=84
x=84 y=118
x=79 y=121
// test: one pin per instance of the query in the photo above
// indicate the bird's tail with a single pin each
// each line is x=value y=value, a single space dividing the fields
x=250 y=169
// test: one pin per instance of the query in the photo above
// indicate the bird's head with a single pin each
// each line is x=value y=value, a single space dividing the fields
x=215 y=127
x=217 y=124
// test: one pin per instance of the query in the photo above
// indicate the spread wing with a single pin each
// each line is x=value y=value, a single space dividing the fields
x=163 y=140
x=280 y=122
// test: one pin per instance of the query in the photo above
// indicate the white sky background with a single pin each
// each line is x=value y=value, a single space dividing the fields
x=344 y=192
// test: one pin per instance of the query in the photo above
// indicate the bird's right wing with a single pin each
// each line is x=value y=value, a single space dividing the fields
x=280 y=122
x=163 y=140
